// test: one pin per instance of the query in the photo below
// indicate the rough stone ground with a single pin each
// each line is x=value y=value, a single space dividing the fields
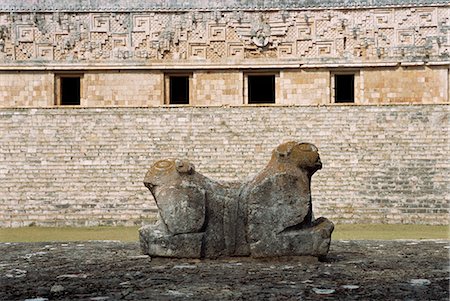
x=100 y=270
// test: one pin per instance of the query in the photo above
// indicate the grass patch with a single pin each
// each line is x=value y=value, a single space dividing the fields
x=36 y=234
x=389 y=232
x=342 y=231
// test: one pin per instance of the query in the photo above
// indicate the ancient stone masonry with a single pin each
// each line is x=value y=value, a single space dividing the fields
x=89 y=96
x=270 y=215
x=127 y=52
x=149 y=32
x=84 y=166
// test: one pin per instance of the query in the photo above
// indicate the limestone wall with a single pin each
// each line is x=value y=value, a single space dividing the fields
x=85 y=166
x=217 y=88
x=131 y=88
x=305 y=87
x=25 y=89
x=398 y=50
x=406 y=84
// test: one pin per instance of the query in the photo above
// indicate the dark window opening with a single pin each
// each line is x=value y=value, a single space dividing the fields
x=70 y=91
x=179 y=90
x=344 y=88
x=261 y=89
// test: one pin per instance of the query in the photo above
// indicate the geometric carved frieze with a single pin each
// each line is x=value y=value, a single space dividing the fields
x=278 y=28
x=24 y=51
x=119 y=44
x=119 y=40
x=44 y=52
x=216 y=50
x=427 y=16
x=325 y=48
x=25 y=33
x=100 y=23
x=405 y=37
x=286 y=50
x=305 y=48
x=323 y=29
x=141 y=23
x=385 y=37
x=139 y=39
x=217 y=33
x=197 y=51
x=154 y=36
x=235 y=50
x=304 y=31
x=243 y=30
x=383 y=18
x=182 y=36
x=372 y=34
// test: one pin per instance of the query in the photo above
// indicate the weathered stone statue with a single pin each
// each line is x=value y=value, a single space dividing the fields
x=269 y=216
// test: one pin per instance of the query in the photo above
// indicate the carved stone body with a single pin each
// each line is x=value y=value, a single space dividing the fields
x=279 y=208
x=269 y=216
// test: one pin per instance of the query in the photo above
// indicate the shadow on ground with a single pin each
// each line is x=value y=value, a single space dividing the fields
x=108 y=270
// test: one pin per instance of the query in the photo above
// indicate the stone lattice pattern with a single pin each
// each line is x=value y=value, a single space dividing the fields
x=325 y=36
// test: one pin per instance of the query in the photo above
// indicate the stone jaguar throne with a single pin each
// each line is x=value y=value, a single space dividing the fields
x=271 y=215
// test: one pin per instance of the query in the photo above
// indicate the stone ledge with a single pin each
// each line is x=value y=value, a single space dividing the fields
x=31 y=66
x=109 y=109
x=198 y=5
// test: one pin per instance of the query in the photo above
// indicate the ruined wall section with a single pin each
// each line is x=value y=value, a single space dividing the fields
x=85 y=166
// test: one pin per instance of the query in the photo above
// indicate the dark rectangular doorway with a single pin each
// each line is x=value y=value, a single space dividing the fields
x=344 y=88
x=261 y=89
x=70 y=91
x=179 y=90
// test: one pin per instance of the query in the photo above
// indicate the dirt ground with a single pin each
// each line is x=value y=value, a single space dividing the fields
x=108 y=270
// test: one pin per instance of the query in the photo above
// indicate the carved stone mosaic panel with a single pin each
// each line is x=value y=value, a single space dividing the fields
x=327 y=36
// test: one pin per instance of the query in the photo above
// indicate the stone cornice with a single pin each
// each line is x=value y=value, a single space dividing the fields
x=212 y=66
x=203 y=5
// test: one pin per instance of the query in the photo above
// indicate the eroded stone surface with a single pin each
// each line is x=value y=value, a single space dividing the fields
x=271 y=215
x=279 y=207
x=107 y=270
